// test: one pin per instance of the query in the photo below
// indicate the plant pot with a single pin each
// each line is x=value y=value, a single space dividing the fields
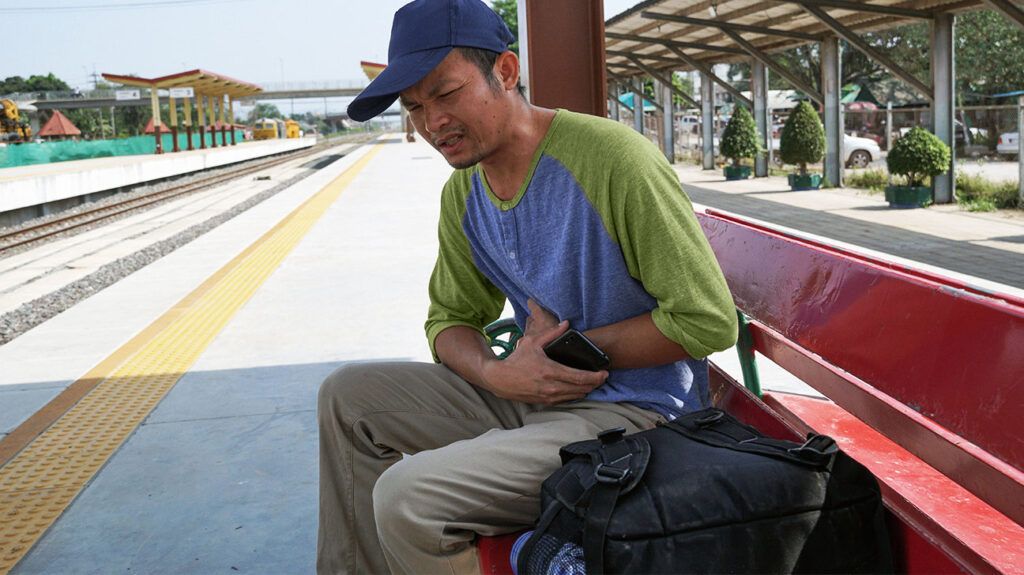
x=733 y=173
x=902 y=197
x=803 y=182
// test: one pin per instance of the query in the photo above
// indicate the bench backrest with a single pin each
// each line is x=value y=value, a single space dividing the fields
x=933 y=364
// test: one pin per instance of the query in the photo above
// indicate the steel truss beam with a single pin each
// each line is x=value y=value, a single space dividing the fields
x=724 y=26
x=664 y=42
x=702 y=67
x=1008 y=9
x=779 y=69
x=865 y=7
x=857 y=42
x=655 y=57
x=666 y=80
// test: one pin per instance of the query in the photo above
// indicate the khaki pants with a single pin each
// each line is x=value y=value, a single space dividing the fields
x=474 y=465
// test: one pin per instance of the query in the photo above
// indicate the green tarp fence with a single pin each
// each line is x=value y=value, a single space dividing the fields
x=14 y=155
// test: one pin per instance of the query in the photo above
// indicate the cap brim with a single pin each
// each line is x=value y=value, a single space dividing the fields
x=400 y=74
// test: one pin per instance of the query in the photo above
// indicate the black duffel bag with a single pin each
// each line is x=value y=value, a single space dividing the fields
x=707 y=494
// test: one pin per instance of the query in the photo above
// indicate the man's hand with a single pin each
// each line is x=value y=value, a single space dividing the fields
x=530 y=376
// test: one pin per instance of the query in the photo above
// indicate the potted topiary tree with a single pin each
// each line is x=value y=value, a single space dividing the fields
x=803 y=142
x=739 y=141
x=914 y=157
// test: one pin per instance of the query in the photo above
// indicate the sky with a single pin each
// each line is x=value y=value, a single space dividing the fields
x=259 y=41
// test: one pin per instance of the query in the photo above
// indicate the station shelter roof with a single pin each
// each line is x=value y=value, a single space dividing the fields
x=202 y=81
x=706 y=31
x=372 y=69
x=58 y=126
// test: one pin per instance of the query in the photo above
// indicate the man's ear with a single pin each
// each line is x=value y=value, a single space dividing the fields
x=506 y=68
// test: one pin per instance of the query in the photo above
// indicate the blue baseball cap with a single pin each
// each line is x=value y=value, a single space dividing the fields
x=422 y=34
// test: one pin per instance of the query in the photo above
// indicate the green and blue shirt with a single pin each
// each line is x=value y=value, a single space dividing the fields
x=599 y=232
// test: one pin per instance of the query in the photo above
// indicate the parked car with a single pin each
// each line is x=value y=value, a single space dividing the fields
x=959 y=134
x=859 y=152
x=689 y=124
x=1008 y=145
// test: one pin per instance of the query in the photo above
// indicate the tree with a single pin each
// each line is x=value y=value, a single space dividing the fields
x=508 y=12
x=739 y=140
x=803 y=138
x=47 y=83
x=263 y=110
x=918 y=155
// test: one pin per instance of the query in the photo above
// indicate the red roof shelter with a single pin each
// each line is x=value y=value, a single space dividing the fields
x=163 y=128
x=59 y=126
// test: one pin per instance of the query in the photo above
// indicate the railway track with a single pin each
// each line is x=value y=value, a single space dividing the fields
x=88 y=252
x=28 y=236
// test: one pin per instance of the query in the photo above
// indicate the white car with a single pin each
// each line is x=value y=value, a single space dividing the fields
x=859 y=152
x=1009 y=144
x=689 y=124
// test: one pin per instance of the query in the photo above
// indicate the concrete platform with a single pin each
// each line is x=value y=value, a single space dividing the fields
x=223 y=472
x=34 y=185
x=221 y=475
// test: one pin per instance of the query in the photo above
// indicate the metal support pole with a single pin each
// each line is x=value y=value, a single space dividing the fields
x=614 y=108
x=831 y=87
x=943 y=107
x=888 y=126
x=154 y=101
x=707 y=122
x=638 y=105
x=174 y=123
x=1020 y=149
x=759 y=89
x=201 y=115
x=211 y=108
x=113 y=124
x=231 y=120
x=668 y=123
x=574 y=78
x=188 y=122
x=223 y=126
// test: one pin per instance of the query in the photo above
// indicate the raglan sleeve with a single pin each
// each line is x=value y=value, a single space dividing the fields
x=666 y=250
x=459 y=293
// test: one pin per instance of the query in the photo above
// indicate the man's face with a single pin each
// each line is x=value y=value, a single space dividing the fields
x=457 y=111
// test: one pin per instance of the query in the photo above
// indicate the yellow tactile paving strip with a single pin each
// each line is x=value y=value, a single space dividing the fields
x=39 y=483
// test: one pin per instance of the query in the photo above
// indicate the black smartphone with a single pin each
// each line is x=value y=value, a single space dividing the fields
x=573 y=349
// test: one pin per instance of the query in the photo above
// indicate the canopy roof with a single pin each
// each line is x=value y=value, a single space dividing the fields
x=714 y=31
x=372 y=69
x=58 y=126
x=202 y=81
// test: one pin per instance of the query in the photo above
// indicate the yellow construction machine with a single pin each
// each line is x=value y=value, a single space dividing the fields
x=13 y=128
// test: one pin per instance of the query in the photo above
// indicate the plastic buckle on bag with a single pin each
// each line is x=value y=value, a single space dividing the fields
x=611 y=435
x=709 y=418
x=816 y=445
x=610 y=474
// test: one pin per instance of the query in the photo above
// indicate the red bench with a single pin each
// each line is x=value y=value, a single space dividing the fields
x=925 y=380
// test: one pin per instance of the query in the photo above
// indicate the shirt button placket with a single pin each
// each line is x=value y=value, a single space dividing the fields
x=509 y=231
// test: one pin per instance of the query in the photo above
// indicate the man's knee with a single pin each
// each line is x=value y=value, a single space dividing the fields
x=345 y=389
x=405 y=499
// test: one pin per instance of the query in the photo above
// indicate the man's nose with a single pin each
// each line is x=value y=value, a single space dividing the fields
x=434 y=118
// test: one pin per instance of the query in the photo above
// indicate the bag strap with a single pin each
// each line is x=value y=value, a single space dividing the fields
x=522 y=561
x=715 y=427
x=612 y=472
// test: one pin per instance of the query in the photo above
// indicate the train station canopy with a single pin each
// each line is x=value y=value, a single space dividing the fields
x=372 y=69
x=202 y=81
x=691 y=34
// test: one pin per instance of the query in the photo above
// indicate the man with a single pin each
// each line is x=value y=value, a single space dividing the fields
x=577 y=221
